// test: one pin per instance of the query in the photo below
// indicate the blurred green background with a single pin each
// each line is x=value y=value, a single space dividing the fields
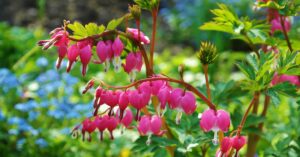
x=39 y=105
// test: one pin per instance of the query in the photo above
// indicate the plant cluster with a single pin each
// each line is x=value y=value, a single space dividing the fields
x=271 y=70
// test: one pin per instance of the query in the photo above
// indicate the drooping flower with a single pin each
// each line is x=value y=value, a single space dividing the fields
x=123 y=102
x=215 y=121
x=150 y=125
x=183 y=101
x=127 y=118
x=151 y=87
x=286 y=78
x=117 y=48
x=97 y=96
x=237 y=143
x=101 y=124
x=62 y=52
x=87 y=126
x=85 y=57
x=58 y=38
x=73 y=53
x=138 y=100
x=133 y=64
x=225 y=147
x=111 y=124
x=135 y=34
x=276 y=24
x=155 y=126
x=144 y=125
x=163 y=96
x=103 y=51
x=110 y=98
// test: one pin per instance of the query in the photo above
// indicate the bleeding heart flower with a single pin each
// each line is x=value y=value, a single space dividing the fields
x=226 y=145
x=117 y=48
x=215 y=121
x=101 y=124
x=135 y=34
x=62 y=52
x=103 y=52
x=286 y=78
x=155 y=125
x=88 y=126
x=85 y=57
x=144 y=125
x=127 y=118
x=163 y=96
x=111 y=124
x=133 y=64
x=73 y=53
x=97 y=96
x=237 y=143
x=182 y=101
x=151 y=87
x=138 y=100
x=123 y=102
x=276 y=25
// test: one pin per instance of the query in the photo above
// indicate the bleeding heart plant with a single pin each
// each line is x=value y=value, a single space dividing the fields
x=268 y=71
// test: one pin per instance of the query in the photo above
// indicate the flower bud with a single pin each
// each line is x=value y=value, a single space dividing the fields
x=207 y=53
x=135 y=11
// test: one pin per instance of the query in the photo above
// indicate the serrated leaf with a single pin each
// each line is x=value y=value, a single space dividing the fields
x=247 y=70
x=113 y=24
x=91 y=29
x=251 y=59
x=274 y=97
x=286 y=88
x=271 y=4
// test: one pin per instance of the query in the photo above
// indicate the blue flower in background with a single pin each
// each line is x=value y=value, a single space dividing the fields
x=16 y=121
x=57 y=114
x=42 y=62
x=32 y=115
x=7 y=80
x=1 y=115
x=13 y=131
x=42 y=143
x=69 y=79
x=20 y=143
x=26 y=107
x=48 y=76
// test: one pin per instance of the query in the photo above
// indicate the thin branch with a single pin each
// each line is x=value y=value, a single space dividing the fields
x=205 y=69
x=187 y=85
x=285 y=33
x=253 y=101
x=154 y=13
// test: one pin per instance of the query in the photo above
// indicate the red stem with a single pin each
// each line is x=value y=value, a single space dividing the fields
x=154 y=19
x=205 y=69
x=253 y=101
x=285 y=33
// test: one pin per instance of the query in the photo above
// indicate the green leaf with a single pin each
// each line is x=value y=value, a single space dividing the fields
x=92 y=29
x=253 y=120
x=113 y=24
x=247 y=70
x=286 y=88
x=274 y=96
x=271 y=4
x=79 y=31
